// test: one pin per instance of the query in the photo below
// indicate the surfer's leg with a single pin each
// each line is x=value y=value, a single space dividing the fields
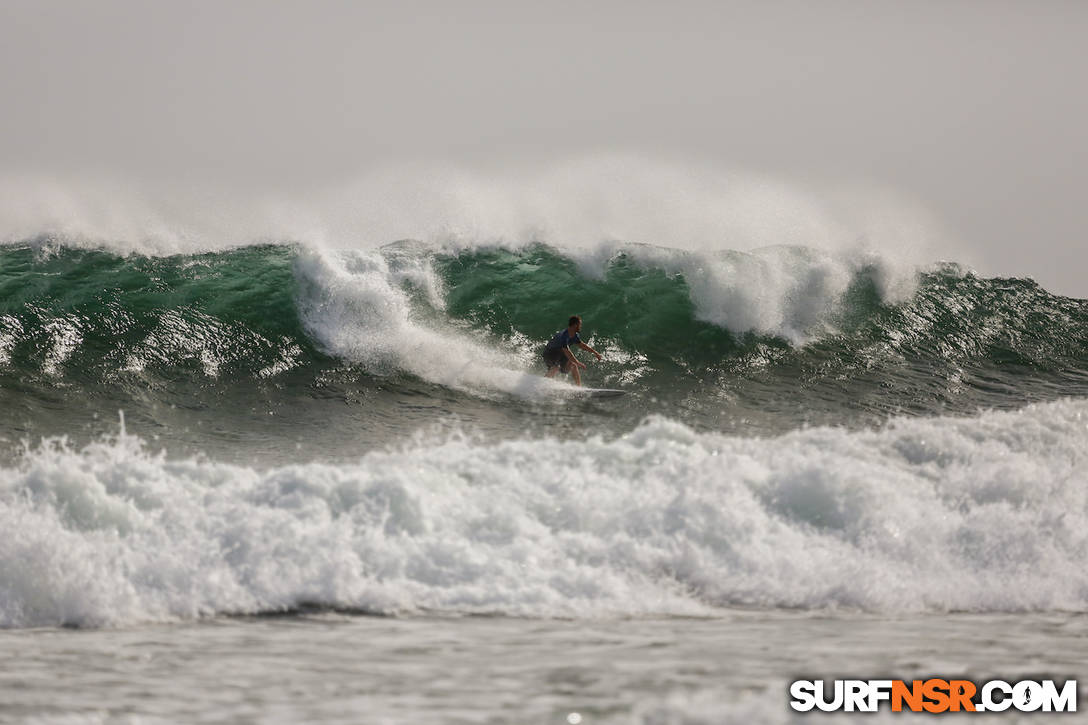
x=576 y=374
x=551 y=371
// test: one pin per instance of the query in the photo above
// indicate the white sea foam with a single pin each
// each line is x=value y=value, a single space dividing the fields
x=797 y=293
x=355 y=305
x=983 y=514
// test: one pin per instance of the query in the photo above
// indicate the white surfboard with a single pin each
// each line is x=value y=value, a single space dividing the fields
x=602 y=392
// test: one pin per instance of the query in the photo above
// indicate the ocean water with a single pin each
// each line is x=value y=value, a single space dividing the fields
x=288 y=482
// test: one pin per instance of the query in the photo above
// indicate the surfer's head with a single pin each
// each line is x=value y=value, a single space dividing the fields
x=575 y=323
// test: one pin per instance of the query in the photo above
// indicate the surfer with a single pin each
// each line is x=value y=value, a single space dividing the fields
x=557 y=354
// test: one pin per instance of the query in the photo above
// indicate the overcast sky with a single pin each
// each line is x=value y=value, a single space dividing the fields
x=978 y=110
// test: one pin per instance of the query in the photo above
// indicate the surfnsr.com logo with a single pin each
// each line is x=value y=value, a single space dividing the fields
x=933 y=696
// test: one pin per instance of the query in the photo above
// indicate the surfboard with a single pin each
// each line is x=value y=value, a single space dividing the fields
x=602 y=392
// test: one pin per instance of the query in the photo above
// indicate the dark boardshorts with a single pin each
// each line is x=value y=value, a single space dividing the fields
x=556 y=357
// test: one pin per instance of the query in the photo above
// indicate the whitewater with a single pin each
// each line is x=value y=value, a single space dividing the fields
x=927 y=515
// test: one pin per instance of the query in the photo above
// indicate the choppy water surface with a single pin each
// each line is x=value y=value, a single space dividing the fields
x=731 y=668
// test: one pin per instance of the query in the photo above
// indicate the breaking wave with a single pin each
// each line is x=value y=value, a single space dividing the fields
x=926 y=515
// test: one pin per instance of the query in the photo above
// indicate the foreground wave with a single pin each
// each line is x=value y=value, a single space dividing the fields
x=980 y=514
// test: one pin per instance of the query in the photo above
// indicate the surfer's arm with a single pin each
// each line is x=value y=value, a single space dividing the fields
x=570 y=356
x=587 y=347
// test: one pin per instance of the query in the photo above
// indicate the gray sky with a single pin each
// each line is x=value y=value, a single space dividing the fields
x=977 y=110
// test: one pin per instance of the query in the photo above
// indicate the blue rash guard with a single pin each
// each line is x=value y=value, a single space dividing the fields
x=553 y=351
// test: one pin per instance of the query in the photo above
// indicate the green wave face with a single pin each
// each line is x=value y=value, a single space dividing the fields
x=953 y=321
x=960 y=343
x=641 y=309
x=202 y=353
x=88 y=315
x=188 y=344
